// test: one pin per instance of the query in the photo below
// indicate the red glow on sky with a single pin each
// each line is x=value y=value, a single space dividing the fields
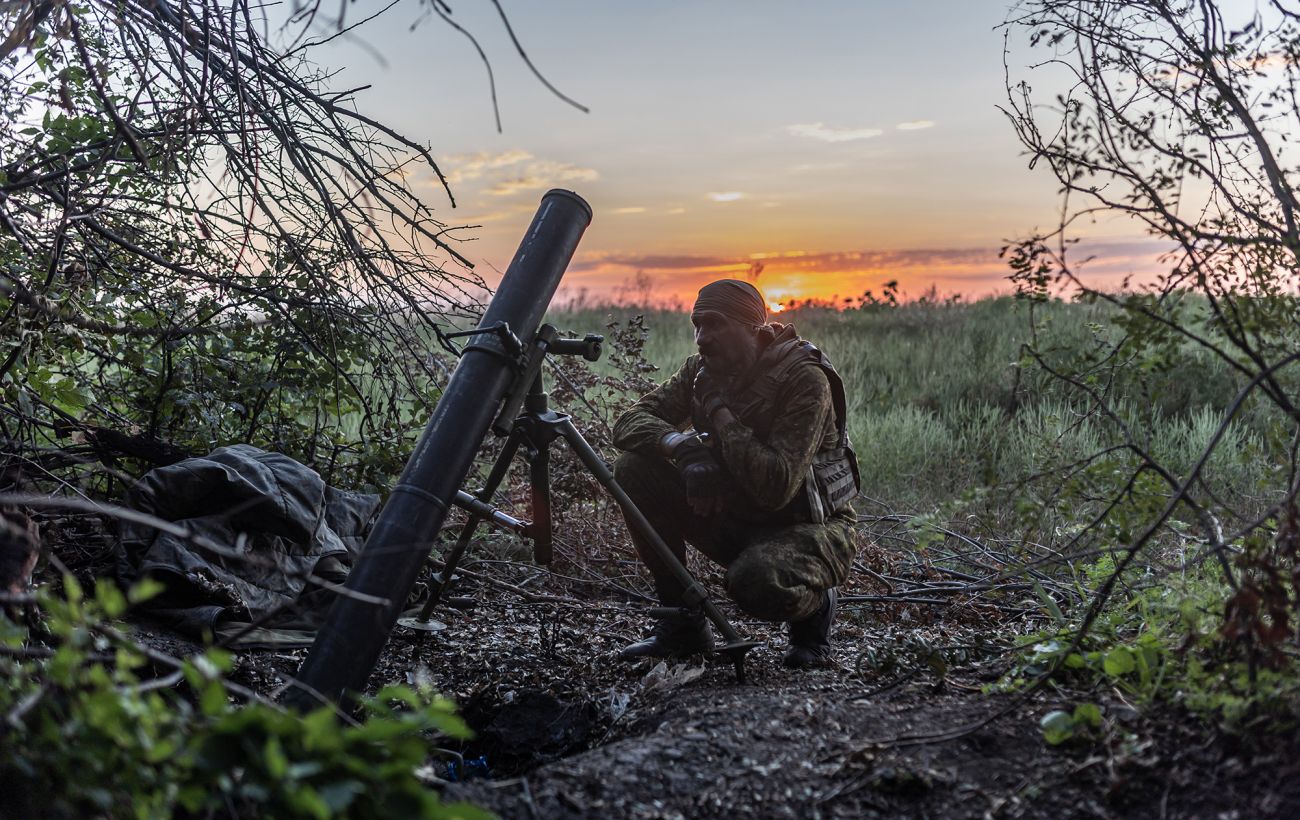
x=845 y=277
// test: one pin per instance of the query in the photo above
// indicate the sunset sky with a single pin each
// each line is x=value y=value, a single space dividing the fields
x=839 y=144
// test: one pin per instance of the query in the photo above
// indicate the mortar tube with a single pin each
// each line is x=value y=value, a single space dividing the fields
x=348 y=645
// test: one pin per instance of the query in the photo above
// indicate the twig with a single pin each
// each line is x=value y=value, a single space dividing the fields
x=531 y=597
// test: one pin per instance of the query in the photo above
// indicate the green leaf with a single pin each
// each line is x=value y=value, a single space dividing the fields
x=339 y=795
x=69 y=395
x=213 y=700
x=1049 y=604
x=321 y=731
x=302 y=771
x=143 y=590
x=1088 y=713
x=160 y=752
x=1119 y=662
x=72 y=589
x=110 y=599
x=277 y=763
x=1057 y=727
x=309 y=803
x=213 y=663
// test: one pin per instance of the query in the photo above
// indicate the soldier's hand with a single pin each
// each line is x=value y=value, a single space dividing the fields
x=669 y=443
x=703 y=476
x=708 y=393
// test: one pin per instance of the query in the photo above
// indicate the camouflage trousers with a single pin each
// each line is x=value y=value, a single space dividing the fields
x=775 y=572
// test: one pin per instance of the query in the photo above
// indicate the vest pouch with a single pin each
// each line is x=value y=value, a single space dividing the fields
x=835 y=478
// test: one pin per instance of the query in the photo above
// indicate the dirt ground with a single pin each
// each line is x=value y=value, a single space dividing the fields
x=565 y=730
x=909 y=723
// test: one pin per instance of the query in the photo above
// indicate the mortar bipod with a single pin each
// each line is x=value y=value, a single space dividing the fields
x=535 y=428
x=479 y=511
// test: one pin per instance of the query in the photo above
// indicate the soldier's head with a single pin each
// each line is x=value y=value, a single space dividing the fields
x=727 y=316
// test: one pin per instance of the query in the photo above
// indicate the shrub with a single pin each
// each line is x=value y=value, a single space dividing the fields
x=96 y=724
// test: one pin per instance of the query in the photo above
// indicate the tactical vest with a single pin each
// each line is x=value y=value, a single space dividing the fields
x=832 y=480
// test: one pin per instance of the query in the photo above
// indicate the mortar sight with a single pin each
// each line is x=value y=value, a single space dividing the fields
x=588 y=347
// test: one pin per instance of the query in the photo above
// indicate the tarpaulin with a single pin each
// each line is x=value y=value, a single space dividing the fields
x=283 y=523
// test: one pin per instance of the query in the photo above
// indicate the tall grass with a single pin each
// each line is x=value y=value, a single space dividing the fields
x=941 y=400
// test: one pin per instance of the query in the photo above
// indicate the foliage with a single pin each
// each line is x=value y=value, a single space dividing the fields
x=1164 y=642
x=1059 y=726
x=203 y=244
x=94 y=726
x=200 y=245
x=1175 y=115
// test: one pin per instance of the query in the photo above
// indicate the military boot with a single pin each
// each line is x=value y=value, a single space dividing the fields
x=675 y=636
x=810 y=639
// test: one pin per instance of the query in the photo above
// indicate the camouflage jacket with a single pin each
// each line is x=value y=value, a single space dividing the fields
x=770 y=466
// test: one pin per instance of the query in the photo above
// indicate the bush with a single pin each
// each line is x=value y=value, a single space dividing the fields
x=88 y=731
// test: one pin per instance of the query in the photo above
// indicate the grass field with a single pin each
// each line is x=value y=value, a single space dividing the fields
x=941 y=403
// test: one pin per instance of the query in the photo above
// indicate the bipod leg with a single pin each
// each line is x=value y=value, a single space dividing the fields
x=499 y=470
x=694 y=595
x=539 y=476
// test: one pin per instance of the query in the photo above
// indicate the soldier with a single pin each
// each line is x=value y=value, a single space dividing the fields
x=761 y=484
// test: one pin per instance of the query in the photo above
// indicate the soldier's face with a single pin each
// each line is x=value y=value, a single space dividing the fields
x=726 y=345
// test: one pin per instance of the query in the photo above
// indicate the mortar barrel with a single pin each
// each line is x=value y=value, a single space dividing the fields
x=355 y=630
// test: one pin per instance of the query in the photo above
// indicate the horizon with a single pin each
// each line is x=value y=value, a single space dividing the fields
x=818 y=166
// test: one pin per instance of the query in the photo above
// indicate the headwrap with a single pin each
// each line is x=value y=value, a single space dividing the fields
x=734 y=299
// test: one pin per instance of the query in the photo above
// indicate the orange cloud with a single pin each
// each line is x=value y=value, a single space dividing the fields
x=540 y=175
x=464 y=167
x=510 y=172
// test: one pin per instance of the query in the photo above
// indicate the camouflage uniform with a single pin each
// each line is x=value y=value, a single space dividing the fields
x=778 y=561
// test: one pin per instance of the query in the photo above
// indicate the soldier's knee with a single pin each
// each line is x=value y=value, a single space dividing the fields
x=757 y=588
x=641 y=476
x=631 y=468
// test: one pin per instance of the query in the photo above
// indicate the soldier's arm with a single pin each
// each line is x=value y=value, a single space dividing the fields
x=663 y=410
x=772 y=472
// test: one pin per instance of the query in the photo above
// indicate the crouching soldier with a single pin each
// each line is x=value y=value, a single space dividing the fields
x=744 y=453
